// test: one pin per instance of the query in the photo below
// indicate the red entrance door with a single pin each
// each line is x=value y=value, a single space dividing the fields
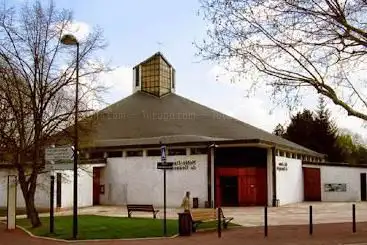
x=96 y=185
x=253 y=187
x=312 y=184
x=248 y=190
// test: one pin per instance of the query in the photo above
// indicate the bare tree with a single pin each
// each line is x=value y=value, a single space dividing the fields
x=37 y=81
x=294 y=45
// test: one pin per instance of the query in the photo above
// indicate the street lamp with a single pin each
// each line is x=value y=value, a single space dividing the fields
x=71 y=40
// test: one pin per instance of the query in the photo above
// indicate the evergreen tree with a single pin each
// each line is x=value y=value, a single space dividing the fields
x=315 y=131
x=279 y=130
x=300 y=129
x=325 y=132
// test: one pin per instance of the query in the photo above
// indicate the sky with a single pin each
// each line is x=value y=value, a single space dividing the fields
x=136 y=29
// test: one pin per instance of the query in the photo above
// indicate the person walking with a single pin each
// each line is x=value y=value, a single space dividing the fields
x=186 y=202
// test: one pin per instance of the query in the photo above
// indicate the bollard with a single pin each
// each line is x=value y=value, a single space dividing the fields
x=266 y=221
x=311 y=228
x=219 y=227
x=354 y=217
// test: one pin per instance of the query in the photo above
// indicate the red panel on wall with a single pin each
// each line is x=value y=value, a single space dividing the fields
x=252 y=185
x=262 y=186
x=96 y=185
x=312 y=184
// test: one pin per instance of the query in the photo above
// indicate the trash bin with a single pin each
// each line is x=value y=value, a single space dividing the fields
x=195 y=202
x=184 y=224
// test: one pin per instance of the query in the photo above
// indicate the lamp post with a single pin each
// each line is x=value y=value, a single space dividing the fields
x=71 y=40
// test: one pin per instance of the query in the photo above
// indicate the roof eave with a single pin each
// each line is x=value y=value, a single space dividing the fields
x=257 y=142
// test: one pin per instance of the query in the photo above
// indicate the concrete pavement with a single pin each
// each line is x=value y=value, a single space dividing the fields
x=294 y=214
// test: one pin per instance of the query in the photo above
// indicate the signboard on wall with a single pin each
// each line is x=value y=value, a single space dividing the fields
x=282 y=166
x=184 y=165
x=178 y=165
x=335 y=187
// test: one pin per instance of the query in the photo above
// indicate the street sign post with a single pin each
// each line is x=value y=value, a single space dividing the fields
x=164 y=165
x=59 y=158
x=163 y=153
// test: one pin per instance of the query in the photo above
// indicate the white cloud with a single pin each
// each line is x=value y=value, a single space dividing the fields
x=79 y=29
x=256 y=109
x=118 y=83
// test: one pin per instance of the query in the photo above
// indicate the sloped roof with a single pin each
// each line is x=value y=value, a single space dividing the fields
x=143 y=119
x=159 y=54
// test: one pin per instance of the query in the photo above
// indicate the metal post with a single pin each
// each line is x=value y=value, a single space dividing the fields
x=266 y=221
x=354 y=217
x=52 y=189
x=164 y=204
x=219 y=225
x=310 y=228
x=76 y=148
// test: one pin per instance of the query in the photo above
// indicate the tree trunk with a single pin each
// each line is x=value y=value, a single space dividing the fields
x=29 y=192
x=31 y=211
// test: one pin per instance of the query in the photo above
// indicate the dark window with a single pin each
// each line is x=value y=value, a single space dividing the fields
x=198 y=151
x=58 y=190
x=135 y=153
x=137 y=76
x=154 y=152
x=114 y=154
x=173 y=78
x=97 y=155
x=2 y=157
x=240 y=156
x=173 y=152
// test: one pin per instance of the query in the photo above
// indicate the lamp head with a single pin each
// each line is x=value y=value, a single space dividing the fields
x=69 y=39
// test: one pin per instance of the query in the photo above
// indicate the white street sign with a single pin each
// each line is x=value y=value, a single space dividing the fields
x=163 y=153
x=59 y=153
x=66 y=166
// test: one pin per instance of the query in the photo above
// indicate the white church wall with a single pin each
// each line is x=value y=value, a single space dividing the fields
x=137 y=180
x=289 y=180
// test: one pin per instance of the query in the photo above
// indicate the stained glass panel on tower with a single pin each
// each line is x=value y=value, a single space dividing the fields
x=156 y=76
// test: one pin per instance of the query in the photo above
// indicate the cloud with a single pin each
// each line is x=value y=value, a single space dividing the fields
x=118 y=82
x=79 y=29
x=258 y=109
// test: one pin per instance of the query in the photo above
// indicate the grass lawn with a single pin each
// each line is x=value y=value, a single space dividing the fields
x=103 y=227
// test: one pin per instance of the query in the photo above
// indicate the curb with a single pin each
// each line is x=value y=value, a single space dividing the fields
x=93 y=240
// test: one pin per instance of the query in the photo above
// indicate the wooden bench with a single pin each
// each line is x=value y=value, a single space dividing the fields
x=141 y=208
x=199 y=216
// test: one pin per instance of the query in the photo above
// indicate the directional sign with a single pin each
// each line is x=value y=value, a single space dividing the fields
x=59 y=153
x=66 y=166
x=163 y=153
x=165 y=165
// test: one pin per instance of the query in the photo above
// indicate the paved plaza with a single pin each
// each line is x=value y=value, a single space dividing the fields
x=294 y=214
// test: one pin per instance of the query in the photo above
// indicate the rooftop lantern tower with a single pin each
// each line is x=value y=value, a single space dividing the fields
x=155 y=76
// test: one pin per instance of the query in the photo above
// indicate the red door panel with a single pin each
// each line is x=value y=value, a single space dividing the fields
x=262 y=186
x=252 y=185
x=312 y=184
x=96 y=185
x=247 y=190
